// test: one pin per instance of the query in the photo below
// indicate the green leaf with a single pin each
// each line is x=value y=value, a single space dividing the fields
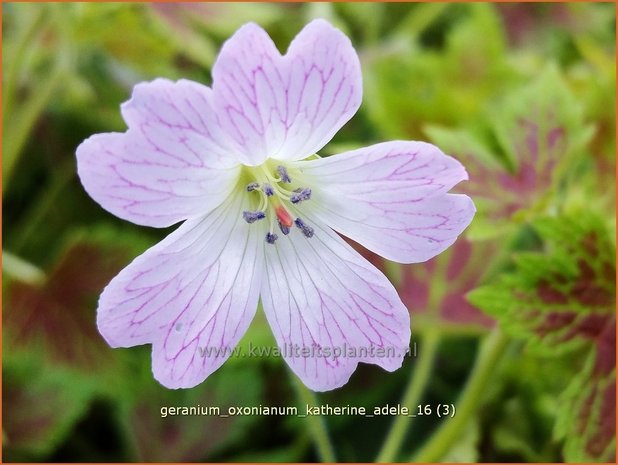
x=258 y=336
x=542 y=124
x=158 y=434
x=466 y=449
x=564 y=297
x=563 y=301
x=56 y=319
x=522 y=415
x=589 y=424
x=463 y=142
x=521 y=158
x=41 y=405
x=435 y=291
x=408 y=86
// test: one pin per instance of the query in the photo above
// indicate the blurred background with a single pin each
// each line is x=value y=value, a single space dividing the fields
x=514 y=324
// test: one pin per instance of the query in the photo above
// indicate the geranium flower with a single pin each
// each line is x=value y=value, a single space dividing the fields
x=236 y=163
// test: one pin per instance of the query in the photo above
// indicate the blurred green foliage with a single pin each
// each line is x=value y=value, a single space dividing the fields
x=522 y=94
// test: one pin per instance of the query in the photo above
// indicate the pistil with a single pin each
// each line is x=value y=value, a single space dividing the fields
x=283 y=216
x=274 y=196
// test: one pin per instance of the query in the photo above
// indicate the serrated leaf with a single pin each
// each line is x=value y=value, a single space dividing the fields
x=181 y=436
x=524 y=412
x=435 y=291
x=57 y=318
x=542 y=124
x=563 y=301
x=528 y=145
x=590 y=424
x=407 y=87
x=560 y=299
x=220 y=18
x=40 y=406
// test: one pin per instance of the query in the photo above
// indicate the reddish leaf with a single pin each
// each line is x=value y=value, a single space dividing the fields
x=590 y=427
x=564 y=301
x=457 y=271
x=521 y=156
x=58 y=318
x=525 y=22
x=191 y=438
x=38 y=410
x=503 y=193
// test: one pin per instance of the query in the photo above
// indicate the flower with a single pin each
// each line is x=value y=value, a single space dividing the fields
x=236 y=163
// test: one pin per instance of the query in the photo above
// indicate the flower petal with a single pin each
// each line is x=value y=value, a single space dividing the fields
x=192 y=296
x=320 y=295
x=391 y=198
x=172 y=163
x=286 y=107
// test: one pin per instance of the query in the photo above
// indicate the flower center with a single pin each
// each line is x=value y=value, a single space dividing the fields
x=279 y=197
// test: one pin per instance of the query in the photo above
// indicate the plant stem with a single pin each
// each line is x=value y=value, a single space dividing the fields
x=21 y=270
x=448 y=433
x=420 y=18
x=20 y=124
x=317 y=425
x=412 y=396
x=26 y=119
x=25 y=38
x=40 y=211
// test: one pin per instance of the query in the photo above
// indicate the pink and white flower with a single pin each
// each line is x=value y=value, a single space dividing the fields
x=236 y=163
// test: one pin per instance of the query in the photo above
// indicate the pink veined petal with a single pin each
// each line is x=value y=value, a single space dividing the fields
x=319 y=294
x=391 y=198
x=192 y=296
x=172 y=163
x=286 y=107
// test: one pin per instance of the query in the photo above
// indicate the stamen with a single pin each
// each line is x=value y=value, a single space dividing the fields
x=268 y=190
x=283 y=173
x=303 y=193
x=252 y=217
x=277 y=195
x=252 y=186
x=307 y=230
x=271 y=238
x=284 y=229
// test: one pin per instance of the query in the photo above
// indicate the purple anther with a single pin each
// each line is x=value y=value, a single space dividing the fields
x=301 y=194
x=252 y=217
x=307 y=230
x=283 y=174
x=252 y=186
x=268 y=190
x=271 y=238
x=284 y=229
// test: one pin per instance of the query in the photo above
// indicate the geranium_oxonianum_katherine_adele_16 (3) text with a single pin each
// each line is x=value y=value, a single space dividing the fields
x=261 y=213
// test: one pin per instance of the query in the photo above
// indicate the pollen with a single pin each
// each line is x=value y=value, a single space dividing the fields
x=284 y=229
x=268 y=190
x=252 y=217
x=252 y=186
x=283 y=173
x=307 y=230
x=271 y=238
x=300 y=194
